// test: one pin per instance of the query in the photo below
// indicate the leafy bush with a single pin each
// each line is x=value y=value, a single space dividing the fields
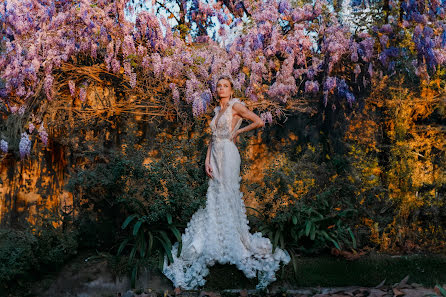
x=17 y=256
x=308 y=205
x=153 y=196
x=41 y=248
x=311 y=225
x=148 y=239
x=56 y=244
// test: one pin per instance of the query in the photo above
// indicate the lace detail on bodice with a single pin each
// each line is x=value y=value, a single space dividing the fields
x=222 y=122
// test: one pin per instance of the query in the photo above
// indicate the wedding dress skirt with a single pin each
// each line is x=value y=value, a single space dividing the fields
x=220 y=231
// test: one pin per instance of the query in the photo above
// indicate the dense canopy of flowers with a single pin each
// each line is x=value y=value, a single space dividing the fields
x=285 y=53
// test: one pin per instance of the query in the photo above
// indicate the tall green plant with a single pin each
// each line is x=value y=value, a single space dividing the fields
x=310 y=226
x=146 y=237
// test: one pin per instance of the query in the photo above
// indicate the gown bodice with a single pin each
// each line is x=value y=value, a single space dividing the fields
x=221 y=124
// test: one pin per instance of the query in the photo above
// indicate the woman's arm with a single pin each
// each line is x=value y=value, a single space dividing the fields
x=207 y=163
x=208 y=154
x=245 y=113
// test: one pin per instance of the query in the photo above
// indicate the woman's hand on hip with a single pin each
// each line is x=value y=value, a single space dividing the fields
x=234 y=137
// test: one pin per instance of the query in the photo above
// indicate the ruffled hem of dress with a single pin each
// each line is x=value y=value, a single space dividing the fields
x=220 y=233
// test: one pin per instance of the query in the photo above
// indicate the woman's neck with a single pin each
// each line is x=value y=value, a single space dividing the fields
x=224 y=103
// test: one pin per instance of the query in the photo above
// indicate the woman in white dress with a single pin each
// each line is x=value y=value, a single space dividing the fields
x=220 y=231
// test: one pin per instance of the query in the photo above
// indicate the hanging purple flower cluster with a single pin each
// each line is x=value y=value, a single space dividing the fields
x=266 y=117
x=4 y=146
x=24 y=145
x=424 y=43
x=43 y=134
x=429 y=32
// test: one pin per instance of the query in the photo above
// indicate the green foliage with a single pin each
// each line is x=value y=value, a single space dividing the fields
x=17 y=256
x=441 y=289
x=25 y=254
x=147 y=237
x=141 y=205
x=308 y=205
x=310 y=226
x=55 y=244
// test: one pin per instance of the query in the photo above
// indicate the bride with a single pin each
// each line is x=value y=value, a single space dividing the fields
x=220 y=232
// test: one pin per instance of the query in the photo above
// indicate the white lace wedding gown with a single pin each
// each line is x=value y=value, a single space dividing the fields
x=220 y=232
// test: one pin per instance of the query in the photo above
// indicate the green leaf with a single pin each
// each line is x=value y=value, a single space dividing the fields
x=293 y=234
x=166 y=238
x=142 y=251
x=134 y=274
x=346 y=211
x=136 y=227
x=336 y=244
x=169 y=218
x=318 y=214
x=132 y=253
x=167 y=249
x=175 y=232
x=263 y=229
x=270 y=235
x=128 y=220
x=150 y=242
x=160 y=262
x=282 y=241
x=294 y=261
x=353 y=237
x=442 y=291
x=308 y=228
x=313 y=231
x=180 y=247
x=255 y=210
x=294 y=220
x=122 y=246
x=325 y=234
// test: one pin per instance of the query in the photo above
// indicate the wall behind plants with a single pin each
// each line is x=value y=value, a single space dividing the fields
x=377 y=154
x=127 y=130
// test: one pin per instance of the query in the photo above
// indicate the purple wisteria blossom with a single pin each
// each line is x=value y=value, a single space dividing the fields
x=199 y=105
x=116 y=66
x=311 y=86
x=24 y=145
x=330 y=83
x=357 y=71
x=156 y=64
x=266 y=117
x=72 y=87
x=82 y=94
x=4 y=146
x=286 y=47
x=48 y=86
x=133 y=80
x=43 y=134
x=175 y=93
x=127 y=68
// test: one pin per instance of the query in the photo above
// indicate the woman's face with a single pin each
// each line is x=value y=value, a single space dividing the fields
x=224 y=88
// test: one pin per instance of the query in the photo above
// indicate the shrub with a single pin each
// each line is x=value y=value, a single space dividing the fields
x=17 y=256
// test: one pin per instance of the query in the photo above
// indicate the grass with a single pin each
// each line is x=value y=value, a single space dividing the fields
x=328 y=271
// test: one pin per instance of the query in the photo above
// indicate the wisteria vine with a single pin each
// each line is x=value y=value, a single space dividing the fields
x=287 y=53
